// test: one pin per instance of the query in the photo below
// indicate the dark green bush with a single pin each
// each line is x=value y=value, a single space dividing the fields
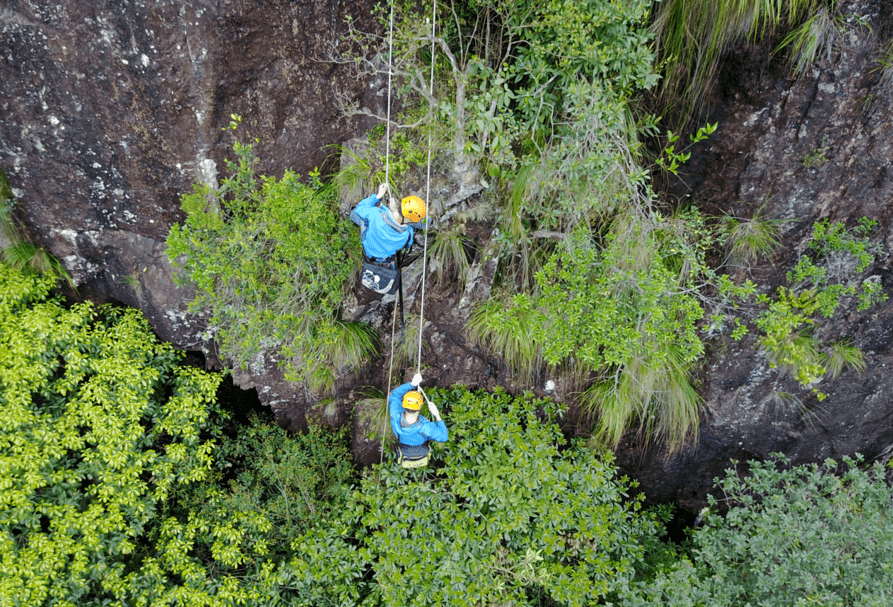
x=807 y=535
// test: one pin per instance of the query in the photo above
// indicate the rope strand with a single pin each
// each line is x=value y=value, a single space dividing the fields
x=387 y=180
x=418 y=368
x=387 y=138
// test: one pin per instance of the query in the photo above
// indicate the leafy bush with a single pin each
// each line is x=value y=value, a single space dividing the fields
x=288 y=482
x=625 y=311
x=807 y=535
x=99 y=424
x=513 y=515
x=271 y=263
x=819 y=284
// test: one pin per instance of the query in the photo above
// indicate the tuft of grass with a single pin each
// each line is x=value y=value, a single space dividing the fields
x=655 y=393
x=132 y=281
x=372 y=409
x=690 y=37
x=749 y=239
x=348 y=345
x=25 y=256
x=886 y=67
x=449 y=254
x=786 y=400
x=815 y=38
x=405 y=351
x=504 y=326
x=843 y=354
x=357 y=177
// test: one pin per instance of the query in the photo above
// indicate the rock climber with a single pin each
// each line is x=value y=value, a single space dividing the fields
x=413 y=431
x=385 y=230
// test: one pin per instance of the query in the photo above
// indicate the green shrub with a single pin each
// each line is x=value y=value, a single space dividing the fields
x=627 y=312
x=822 y=280
x=279 y=484
x=512 y=516
x=271 y=263
x=804 y=535
x=99 y=425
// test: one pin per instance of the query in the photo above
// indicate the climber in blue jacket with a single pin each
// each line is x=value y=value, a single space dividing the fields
x=385 y=229
x=413 y=431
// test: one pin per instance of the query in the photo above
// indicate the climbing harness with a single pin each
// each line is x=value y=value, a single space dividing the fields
x=413 y=456
x=381 y=275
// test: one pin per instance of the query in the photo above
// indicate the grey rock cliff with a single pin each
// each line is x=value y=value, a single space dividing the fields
x=110 y=110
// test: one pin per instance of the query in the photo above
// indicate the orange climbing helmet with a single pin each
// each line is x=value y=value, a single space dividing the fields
x=412 y=401
x=413 y=208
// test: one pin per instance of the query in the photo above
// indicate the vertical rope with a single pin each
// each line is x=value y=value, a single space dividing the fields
x=387 y=391
x=418 y=368
x=387 y=180
x=387 y=137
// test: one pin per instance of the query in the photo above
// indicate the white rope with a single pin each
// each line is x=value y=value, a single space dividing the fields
x=427 y=198
x=387 y=137
x=418 y=368
x=387 y=180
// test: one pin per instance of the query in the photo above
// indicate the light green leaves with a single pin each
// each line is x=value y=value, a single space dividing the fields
x=98 y=421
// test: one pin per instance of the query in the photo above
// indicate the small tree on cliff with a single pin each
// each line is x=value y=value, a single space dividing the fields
x=271 y=263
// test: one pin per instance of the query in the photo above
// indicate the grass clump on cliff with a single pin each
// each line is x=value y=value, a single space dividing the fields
x=692 y=35
x=271 y=263
x=17 y=252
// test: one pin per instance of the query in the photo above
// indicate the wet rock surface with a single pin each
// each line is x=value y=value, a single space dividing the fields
x=110 y=110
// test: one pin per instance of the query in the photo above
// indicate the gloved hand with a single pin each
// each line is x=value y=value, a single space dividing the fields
x=435 y=413
x=416 y=380
x=382 y=190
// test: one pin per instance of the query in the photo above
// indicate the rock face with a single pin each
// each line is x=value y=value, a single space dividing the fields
x=110 y=110
x=814 y=148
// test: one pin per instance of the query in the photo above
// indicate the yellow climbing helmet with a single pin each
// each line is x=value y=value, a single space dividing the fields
x=412 y=401
x=413 y=208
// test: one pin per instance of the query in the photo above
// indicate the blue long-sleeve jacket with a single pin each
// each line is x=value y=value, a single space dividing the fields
x=380 y=234
x=420 y=432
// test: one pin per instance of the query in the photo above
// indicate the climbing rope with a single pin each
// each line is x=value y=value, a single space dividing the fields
x=387 y=137
x=433 y=22
x=387 y=180
x=418 y=368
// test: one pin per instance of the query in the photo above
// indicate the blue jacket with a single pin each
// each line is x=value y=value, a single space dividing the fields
x=381 y=236
x=420 y=432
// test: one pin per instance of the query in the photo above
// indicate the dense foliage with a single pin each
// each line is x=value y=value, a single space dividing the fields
x=99 y=424
x=807 y=535
x=510 y=514
x=270 y=261
x=116 y=492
